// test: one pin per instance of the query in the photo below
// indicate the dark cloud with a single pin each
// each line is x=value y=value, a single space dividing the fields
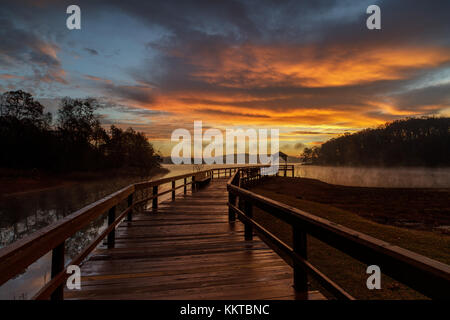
x=91 y=51
x=422 y=98
x=20 y=47
x=230 y=113
x=136 y=93
x=137 y=111
x=313 y=132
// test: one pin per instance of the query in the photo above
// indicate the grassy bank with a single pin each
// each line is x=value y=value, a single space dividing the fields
x=346 y=271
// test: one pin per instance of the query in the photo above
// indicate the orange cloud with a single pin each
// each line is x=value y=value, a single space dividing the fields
x=7 y=76
x=93 y=78
x=262 y=65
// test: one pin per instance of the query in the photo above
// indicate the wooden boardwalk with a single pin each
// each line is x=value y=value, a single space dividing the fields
x=186 y=250
x=191 y=247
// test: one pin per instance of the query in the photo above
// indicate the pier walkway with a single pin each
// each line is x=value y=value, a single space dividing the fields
x=186 y=249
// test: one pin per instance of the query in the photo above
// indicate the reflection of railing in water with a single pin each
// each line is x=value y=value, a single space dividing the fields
x=427 y=276
x=15 y=258
x=35 y=223
x=24 y=213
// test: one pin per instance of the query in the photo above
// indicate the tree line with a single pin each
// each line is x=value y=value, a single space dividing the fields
x=74 y=141
x=409 y=142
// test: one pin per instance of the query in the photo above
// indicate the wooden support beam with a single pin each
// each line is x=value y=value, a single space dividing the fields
x=173 y=190
x=112 y=234
x=231 y=214
x=155 y=198
x=300 y=248
x=248 y=209
x=130 y=205
x=57 y=267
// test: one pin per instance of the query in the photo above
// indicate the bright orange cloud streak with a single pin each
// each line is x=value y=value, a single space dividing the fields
x=300 y=65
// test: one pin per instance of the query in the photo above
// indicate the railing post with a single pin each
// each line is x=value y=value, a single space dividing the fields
x=300 y=248
x=248 y=209
x=130 y=205
x=285 y=170
x=185 y=186
x=155 y=198
x=112 y=234
x=193 y=184
x=173 y=190
x=57 y=267
x=231 y=201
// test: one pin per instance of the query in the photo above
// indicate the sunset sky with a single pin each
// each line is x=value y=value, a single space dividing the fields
x=310 y=68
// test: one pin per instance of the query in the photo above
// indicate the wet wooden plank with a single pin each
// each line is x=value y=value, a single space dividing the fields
x=186 y=249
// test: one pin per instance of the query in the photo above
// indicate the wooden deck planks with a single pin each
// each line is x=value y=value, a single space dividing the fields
x=186 y=250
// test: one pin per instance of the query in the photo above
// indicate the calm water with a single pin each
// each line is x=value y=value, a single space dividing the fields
x=23 y=214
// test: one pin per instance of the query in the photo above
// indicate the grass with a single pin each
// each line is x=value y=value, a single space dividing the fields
x=346 y=271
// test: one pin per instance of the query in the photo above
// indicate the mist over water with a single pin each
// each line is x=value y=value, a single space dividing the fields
x=405 y=177
x=398 y=177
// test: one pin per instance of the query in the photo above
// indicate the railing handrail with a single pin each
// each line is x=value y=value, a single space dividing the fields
x=426 y=275
x=37 y=244
x=17 y=256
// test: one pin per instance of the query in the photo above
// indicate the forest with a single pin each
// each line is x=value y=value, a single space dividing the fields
x=75 y=141
x=421 y=141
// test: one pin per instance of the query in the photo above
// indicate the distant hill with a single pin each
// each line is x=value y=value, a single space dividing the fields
x=409 y=142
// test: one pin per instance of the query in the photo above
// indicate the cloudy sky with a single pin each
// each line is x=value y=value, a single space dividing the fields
x=310 y=68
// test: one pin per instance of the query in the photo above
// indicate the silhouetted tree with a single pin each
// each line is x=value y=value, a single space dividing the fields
x=410 y=142
x=23 y=130
x=21 y=107
x=130 y=149
x=78 y=142
x=77 y=120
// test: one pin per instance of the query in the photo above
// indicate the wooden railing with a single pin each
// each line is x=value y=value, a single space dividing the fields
x=15 y=258
x=427 y=276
